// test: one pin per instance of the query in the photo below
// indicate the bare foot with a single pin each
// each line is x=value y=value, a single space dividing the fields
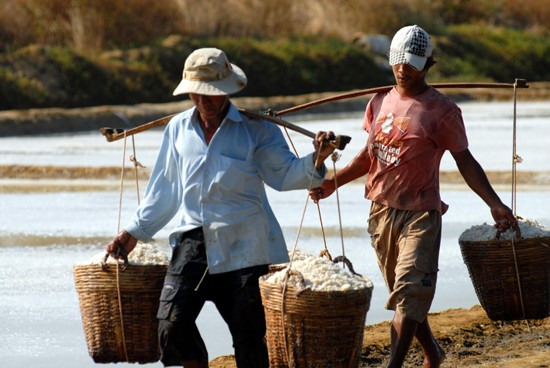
x=437 y=361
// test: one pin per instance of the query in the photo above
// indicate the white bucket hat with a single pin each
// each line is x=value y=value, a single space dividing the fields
x=411 y=45
x=207 y=71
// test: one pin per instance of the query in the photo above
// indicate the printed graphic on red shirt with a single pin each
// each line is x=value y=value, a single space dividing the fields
x=401 y=123
x=387 y=143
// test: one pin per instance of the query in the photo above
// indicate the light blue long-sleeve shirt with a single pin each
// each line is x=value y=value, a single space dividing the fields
x=220 y=186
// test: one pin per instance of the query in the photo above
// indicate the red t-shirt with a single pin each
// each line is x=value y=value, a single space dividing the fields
x=407 y=138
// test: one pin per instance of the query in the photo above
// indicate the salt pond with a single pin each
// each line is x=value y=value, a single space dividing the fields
x=43 y=234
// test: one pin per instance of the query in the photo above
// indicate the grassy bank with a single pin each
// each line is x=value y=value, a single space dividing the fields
x=54 y=76
x=75 y=53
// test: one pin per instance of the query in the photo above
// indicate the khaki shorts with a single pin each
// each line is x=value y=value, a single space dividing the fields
x=407 y=246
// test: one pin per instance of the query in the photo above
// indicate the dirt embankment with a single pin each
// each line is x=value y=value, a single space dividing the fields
x=59 y=120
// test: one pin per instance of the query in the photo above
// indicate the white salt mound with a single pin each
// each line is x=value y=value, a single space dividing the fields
x=297 y=255
x=529 y=229
x=143 y=254
x=321 y=274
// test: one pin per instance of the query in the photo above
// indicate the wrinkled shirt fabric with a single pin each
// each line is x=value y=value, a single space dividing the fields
x=221 y=187
x=407 y=139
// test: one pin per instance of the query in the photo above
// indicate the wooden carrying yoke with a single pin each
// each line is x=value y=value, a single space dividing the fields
x=114 y=134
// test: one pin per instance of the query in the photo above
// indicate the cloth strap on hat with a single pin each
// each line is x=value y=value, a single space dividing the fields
x=205 y=73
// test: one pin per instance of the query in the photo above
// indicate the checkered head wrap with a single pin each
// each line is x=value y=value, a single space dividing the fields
x=411 y=45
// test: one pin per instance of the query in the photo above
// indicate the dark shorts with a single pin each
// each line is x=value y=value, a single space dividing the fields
x=235 y=294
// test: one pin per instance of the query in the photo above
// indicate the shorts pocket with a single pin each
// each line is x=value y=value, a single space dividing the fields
x=426 y=265
x=182 y=253
x=166 y=305
x=427 y=257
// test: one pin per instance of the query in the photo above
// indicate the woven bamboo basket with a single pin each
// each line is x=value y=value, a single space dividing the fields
x=492 y=268
x=110 y=338
x=312 y=329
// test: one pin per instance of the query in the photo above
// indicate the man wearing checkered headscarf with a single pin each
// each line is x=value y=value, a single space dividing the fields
x=409 y=129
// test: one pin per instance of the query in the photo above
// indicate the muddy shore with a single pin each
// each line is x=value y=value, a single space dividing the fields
x=469 y=338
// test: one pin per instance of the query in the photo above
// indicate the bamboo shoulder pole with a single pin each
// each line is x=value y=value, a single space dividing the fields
x=520 y=83
x=113 y=134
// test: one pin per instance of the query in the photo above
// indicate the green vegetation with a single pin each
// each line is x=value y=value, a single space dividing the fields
x=74 y=53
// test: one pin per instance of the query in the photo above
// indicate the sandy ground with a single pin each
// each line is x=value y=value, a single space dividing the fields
x=469 y=338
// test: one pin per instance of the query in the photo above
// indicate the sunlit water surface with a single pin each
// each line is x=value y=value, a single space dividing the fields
x=42 y=235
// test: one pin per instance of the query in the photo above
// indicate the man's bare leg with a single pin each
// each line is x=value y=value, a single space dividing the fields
x=195 y=364
x=403 y=331
x=433 y=353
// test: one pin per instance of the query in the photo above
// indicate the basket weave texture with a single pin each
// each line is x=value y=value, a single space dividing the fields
x=106 y=335
x=492 y=269
x=316 y=329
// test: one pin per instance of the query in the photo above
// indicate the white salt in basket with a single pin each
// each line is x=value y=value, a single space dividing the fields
x=511 y=275
x=315 y=319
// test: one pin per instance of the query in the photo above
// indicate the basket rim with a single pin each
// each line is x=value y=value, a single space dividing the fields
x=293 y=289
x=522 y=241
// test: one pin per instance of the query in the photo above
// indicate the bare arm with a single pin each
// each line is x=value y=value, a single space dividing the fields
x=358 y=167
x=475 y=177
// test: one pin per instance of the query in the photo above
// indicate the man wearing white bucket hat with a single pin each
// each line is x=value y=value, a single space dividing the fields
x=212 y=166
x=409 y=128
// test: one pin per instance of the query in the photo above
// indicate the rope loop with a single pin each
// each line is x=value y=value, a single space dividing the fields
x=517 y=159
x=137 y=164
x=346 y=262
x=119 y=254
x=325 y=253
x=301 y=285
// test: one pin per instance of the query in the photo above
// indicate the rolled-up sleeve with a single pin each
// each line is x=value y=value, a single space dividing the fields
x=280 y=168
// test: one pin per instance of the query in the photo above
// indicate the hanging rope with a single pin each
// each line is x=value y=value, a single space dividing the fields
x=288 y=269
x=121 y=184
x=137 y=165
x=336 y=157
x=291 y=142
x=121 y=314
x=325 y=252
x=515 y=160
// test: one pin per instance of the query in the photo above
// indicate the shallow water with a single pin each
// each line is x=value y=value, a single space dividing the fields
x=489 y=127
x=42 y=235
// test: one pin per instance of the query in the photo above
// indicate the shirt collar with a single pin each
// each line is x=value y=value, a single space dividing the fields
x=233 y=114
